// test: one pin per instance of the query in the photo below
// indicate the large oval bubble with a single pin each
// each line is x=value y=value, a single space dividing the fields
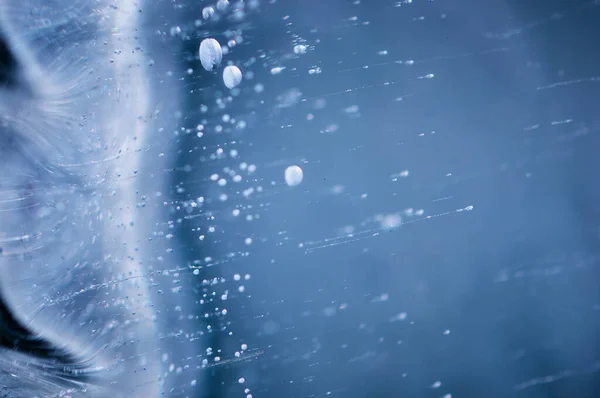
x=211 y=54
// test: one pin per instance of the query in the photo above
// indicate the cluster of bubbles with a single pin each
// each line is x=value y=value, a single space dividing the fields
x=211 y=56
x=213 y=215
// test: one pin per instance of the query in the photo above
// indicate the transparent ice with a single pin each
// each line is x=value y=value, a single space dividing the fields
x=342 y=198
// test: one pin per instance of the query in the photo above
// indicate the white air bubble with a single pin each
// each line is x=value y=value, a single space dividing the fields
x=293 y=175
x=208 y=12
x=299 y=49
x=222 y=5
x=232 y=76
x=211 y=54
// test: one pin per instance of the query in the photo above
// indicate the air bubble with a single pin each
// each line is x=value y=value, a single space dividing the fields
x=232 y=76
x=293 y=175
x=299 y=49
x=211 y=54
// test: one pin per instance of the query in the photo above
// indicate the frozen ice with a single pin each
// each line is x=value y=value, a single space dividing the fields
x=152 y=212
